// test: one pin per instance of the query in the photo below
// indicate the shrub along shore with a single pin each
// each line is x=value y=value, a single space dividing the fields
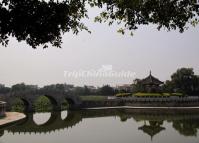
x=141 y=94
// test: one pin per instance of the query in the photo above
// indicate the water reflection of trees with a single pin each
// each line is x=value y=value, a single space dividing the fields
x=186 y=127
x=185 y=122
x=41 y=22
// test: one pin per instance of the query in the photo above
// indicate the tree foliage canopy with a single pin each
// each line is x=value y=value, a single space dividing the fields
x=183 y=80
x=106 y=90
x=40 y=22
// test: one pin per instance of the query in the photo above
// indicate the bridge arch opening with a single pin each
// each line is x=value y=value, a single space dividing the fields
x=45 y=103
x=20 y=105
x=42 y=104
x=67 y=104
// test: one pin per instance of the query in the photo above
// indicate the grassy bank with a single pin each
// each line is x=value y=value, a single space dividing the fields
x=93 y=98
x=139 y=94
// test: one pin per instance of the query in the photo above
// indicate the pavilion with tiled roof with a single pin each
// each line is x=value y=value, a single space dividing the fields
x=151 y=84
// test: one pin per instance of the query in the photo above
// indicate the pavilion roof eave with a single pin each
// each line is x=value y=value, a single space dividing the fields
x=150 y=80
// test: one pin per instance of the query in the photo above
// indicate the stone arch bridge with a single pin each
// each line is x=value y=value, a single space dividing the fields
x=56 y=100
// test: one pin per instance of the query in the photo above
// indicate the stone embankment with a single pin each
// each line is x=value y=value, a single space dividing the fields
x=142 y=102
x=11 y=117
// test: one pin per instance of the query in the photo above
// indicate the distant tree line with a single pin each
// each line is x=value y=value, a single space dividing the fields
x=22 y=89
x=4 y=89
x=105 y=90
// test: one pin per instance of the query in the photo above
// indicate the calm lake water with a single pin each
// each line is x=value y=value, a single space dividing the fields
x=105 y=126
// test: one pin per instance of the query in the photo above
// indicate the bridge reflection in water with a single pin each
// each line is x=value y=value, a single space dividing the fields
x=186 y=122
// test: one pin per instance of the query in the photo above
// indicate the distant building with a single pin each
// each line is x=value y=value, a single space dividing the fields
x=151 y=84
x=124 y=88
x=92 y=88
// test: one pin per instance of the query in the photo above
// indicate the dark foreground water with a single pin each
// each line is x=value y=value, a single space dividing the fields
x=105 y=126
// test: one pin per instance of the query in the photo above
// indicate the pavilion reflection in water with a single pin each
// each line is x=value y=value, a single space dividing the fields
x=152 y=128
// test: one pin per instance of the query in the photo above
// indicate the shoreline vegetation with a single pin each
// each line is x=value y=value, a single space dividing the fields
x=93 y=98
x=142 y=94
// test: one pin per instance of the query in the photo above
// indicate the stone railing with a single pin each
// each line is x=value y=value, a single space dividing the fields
x=174 y=101
x=163 y=99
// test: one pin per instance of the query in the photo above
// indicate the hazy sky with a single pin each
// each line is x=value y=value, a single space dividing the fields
x=149 y=49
